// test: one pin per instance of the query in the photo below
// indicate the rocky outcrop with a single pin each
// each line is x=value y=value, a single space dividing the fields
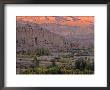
x=30 y=36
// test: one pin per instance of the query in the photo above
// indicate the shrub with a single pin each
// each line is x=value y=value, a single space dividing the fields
x=54 y=70
x=90 y=66
x=80 y=64
x=42 y=51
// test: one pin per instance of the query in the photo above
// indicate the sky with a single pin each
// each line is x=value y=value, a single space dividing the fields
x=62 y=23
x=63 y=20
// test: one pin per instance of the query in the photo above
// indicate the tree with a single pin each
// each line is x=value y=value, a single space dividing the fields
x=90 y=66
x=36 y=61
x=80 y=64
x=42 y=51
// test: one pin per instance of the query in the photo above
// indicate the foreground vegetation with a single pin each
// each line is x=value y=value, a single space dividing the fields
x=60 y=64
x=59 y=70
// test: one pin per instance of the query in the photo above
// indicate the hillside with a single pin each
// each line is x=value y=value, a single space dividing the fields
x=31 y=36
x=54 y=33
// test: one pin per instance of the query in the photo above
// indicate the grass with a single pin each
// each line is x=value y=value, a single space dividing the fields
x=63 y=65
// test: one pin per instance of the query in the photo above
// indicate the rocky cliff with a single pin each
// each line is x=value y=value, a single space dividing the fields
x=30 y=36
x=54 y=33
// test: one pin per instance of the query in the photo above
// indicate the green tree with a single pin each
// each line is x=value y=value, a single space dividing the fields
x=90 y=66
x=80 y=64
x=42 y=51
x=36 y=61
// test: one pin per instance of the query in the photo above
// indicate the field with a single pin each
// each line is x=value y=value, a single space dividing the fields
x=42 y=62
